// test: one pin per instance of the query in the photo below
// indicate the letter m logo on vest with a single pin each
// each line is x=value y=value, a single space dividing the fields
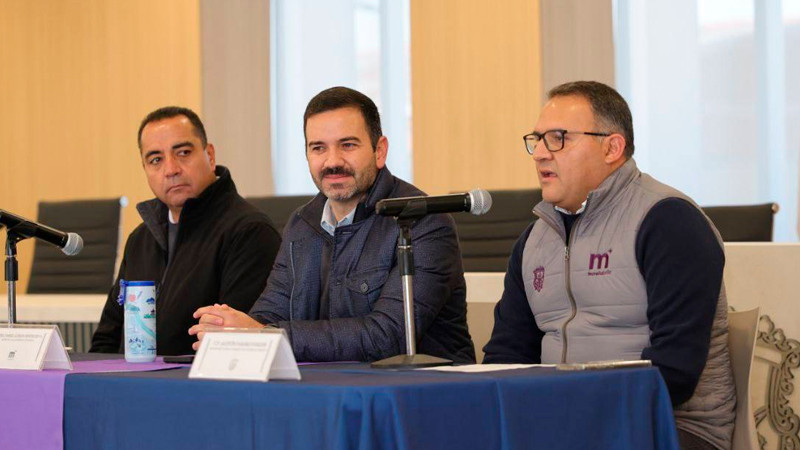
x=598 y=261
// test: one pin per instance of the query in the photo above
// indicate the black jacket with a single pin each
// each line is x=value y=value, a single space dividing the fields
x=223 y=254
x=361 y=318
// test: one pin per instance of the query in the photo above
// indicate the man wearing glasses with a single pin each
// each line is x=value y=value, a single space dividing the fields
x=619 y=266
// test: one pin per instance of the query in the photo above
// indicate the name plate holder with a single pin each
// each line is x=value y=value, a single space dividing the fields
x=245 y=354
x=32 y=347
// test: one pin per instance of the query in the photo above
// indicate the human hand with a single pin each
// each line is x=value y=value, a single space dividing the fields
x=219 y=316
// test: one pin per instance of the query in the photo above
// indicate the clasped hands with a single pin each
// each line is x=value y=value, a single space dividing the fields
x=219 y=316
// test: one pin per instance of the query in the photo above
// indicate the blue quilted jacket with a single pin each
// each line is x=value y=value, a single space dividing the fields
x=363 y=318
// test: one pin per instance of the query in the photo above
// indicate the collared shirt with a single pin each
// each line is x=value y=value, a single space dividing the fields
x=570 y=217
x=564 y=211
x=328 y=221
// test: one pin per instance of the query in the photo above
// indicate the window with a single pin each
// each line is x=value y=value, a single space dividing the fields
x=713 y=113
x=317 y=44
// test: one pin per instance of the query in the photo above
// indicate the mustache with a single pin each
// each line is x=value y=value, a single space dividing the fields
x=340 y=170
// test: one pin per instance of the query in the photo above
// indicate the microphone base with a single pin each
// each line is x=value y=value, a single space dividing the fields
x=410 y=362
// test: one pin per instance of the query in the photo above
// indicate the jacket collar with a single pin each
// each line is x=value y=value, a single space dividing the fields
x=599 y=198
x=610 y=188
x=154 y=211
x=381 y=188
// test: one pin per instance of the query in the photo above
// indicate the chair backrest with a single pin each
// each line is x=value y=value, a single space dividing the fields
x=742 y=328
x=92 y=270
x=279 y=208
x=745 y=223
x=486 y=241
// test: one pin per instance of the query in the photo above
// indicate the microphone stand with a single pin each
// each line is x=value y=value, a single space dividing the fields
x=12 y=273
x=405 y=255
x=14 y=234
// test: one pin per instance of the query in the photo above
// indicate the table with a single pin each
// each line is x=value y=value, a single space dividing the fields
x=756 y=274
x=342 y=406
x=759 y=274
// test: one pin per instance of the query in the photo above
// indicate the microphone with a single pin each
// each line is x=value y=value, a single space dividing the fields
x=69 y=243
x=476 y=201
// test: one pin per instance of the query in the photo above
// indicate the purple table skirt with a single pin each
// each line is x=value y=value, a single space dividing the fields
x=32 y=402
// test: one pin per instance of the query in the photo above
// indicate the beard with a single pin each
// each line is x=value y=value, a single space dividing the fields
x=359 y=185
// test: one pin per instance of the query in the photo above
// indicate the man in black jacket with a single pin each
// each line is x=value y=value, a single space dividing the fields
x=200 y=242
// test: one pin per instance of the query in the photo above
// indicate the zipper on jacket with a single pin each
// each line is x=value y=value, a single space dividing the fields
x=572 y=303
x=291 y=292
x=160 y=284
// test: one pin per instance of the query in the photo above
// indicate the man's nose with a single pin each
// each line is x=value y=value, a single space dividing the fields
x=540 y=151
x=171 y=166
x=334 y=158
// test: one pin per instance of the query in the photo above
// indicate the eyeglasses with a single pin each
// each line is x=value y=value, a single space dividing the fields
x=553 y=139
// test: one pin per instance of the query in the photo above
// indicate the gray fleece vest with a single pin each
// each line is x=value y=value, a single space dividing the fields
x=590 y=300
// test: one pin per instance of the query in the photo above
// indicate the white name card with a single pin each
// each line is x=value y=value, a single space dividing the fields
x=245 y=354
x=32 y=347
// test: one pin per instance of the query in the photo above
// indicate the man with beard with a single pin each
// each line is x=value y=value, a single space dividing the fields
x=335 y=287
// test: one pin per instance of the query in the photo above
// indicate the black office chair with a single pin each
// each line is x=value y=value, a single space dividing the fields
x=486 y=241
x=92 y=270
x=279 y=208
x=745 y=223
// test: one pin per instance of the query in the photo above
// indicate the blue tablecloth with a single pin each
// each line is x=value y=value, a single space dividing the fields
x=353 y=406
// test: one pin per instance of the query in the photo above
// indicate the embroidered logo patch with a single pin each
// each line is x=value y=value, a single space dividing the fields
x=538 y=278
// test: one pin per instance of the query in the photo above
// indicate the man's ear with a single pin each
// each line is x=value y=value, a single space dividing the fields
x=211 y=154
x=615 y=148
x=381 y=151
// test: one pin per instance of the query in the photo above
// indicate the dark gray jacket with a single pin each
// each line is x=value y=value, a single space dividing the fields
x=362 y=319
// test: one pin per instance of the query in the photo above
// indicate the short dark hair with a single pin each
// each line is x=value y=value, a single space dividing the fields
x=610 y=110
x=343 y=97
x=169 y=112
